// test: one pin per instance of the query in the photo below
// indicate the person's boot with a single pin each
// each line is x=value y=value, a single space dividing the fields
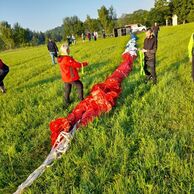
x=2 y=88
x=155 y=82
x=66 y=104
x=148 y=77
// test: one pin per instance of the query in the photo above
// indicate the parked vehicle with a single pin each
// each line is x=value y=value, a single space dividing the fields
x=138 y=28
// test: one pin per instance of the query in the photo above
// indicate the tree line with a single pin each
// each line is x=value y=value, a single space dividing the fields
x=17 y=36
x=161 y=13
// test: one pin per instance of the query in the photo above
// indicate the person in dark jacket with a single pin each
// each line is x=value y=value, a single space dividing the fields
x=52 y=48
x=4 y=69
x=149 y=50
x=69 y=73
x=155 y=29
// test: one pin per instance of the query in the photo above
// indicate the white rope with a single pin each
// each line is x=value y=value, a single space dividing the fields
x=60 y=147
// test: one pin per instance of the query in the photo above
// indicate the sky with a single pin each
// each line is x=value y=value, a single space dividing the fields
x=42 y=15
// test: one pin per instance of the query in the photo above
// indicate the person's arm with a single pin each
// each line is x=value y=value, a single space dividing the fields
x=70 y=61
x=151 y=51
x=78 y=64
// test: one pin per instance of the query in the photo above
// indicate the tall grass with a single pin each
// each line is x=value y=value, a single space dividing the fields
x=144 y=145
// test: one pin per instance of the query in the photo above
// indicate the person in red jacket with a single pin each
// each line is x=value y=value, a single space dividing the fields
x=4 y=69
x=69 y=73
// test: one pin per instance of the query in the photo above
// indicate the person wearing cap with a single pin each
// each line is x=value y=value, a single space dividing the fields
x=4 y=69
x=149 y=50
x=69 y=73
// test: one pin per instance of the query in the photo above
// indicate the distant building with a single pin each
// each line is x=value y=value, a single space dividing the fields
x=122 y=31
x=128 y=29
x=174 y=20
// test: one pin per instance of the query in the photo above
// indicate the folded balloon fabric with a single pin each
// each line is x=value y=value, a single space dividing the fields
x=101 y=99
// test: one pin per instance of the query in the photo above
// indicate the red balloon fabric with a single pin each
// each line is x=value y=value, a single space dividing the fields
x=102 y=98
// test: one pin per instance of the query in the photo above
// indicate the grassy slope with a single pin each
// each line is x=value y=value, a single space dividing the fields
x=144 y=145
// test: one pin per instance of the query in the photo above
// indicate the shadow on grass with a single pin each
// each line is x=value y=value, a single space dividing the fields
x=173 y=67
x=96 y=66
x=23 y=62
x=40 y=82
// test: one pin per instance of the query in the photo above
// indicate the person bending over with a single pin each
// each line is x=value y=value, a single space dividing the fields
x=69 y=73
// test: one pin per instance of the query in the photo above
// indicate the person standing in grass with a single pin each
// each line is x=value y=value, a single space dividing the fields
x=4 y=70
x=149 y=50
x=69 y=73
x=53 y=49
x=155 y=29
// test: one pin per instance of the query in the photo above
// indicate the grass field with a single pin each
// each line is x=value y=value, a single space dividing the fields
x=144 y=145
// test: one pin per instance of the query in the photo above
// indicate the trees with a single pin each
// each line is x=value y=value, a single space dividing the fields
x=72 y=25
x=2 y=44
x=160 y=12
x=164 y=9
x=107 y=18
x=20 y=35
x=92 y=24
x=190 y=16
x=180 y=8
x=6 y=34
x=103 y=16
x=161 y=3
x=57 y=34
x=184 y=9
x=139 y=16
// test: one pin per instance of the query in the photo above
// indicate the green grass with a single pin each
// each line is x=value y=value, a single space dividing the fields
x=144 y=145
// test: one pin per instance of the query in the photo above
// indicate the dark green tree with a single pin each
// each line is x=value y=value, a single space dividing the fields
x=92 y=24
x=103 y=16
x=107 y=18
x=6 y=34
x=20 y=35
x=140 y=16
x=160 y=13
x=72 y=25
x=182 y=8
x=2 y=44
x=161 y=3
x=190 y=16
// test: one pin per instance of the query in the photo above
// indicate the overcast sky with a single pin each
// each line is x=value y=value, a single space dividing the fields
x=42 y=15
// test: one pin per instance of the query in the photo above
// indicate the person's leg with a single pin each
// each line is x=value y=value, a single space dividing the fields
x=53 y=57
x=4 y=72
x=2 y=75
x=2 y=87
x=79 y=87
x=147 y=73
x=67 y=91
x=153 y=71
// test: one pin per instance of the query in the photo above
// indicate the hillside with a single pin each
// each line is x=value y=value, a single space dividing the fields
x=144 y=145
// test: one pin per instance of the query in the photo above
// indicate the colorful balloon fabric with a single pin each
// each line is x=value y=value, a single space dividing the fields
x=101 y=99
